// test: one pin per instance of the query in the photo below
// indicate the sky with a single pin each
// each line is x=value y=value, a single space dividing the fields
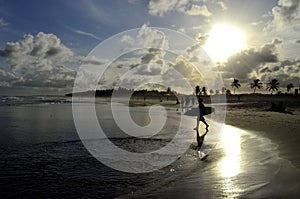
x=43 y=43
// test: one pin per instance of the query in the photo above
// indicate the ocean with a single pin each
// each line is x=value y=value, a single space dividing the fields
x=42 y=156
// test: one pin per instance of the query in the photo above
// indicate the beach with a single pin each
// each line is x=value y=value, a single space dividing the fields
x=265 y=163
x=254 y=156
x=283 y=129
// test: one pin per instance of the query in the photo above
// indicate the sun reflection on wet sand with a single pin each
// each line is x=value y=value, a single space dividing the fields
x=230 y=165
x=231 y=143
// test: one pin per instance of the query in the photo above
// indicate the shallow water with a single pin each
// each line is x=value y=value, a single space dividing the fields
x=43 y=157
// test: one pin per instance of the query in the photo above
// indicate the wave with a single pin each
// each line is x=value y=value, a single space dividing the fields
x=32 y=100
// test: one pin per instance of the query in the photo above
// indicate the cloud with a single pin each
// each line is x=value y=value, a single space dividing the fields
x=241 y=64
x=37 y=61
x=92 y=60
x=201 y=38
x=127 y=39
x=3 y=22
x=80 y=32
x=149 y=69
x=7 y=78
x=222 y=5
x=286 y=72
x=161 y=7
x=146 y=37
x=150 y=37
x=153 y=55
x=199 y=10
x=35 y=51
x=287 y=12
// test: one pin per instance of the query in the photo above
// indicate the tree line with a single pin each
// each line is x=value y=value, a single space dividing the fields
x=271 y=86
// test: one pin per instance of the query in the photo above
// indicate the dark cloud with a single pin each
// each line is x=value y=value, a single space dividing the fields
x=286 y=72
x=53 y=51
x=153 y=55
x=244 y=62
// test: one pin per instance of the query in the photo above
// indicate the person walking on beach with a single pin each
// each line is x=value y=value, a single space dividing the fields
x=201 y=113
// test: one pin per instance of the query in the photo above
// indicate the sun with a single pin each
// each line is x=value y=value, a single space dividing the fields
x=223 y=41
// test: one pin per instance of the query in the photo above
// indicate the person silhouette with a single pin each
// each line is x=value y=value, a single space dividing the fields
x=201 y=113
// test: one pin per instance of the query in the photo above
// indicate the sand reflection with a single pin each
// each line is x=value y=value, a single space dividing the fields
x=231 y=142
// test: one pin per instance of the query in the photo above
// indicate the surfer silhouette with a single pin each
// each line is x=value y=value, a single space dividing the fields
x=201 y=113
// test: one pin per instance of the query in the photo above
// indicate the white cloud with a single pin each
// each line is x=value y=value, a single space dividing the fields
x=127 y=39
x=161 y=7
x=201 y=38
x=7 y=78
x=35 y=52
x=37 y=61
x=199 y=10
x=286 y=13
x=150 y=37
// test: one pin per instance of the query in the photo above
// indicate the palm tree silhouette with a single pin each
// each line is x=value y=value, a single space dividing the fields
x=273 y=85
x=256 y=84
x=289 y=87
x=235 y=84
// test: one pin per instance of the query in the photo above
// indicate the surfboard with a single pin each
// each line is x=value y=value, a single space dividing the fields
x=195 y=111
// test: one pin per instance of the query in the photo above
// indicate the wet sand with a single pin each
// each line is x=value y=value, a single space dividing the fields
x=283 y=129
x=260 y=160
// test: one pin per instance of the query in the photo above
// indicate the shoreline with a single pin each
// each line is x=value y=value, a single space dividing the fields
x=281 y=128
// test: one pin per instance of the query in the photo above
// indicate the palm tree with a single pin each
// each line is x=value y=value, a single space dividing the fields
x=235 y=84
x=289 y=87
x=256 y=84
x=273 y=85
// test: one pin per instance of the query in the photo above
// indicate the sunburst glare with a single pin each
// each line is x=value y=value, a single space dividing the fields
x=223 y=41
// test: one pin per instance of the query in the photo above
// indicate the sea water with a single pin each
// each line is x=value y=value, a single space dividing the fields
x=43 y=157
